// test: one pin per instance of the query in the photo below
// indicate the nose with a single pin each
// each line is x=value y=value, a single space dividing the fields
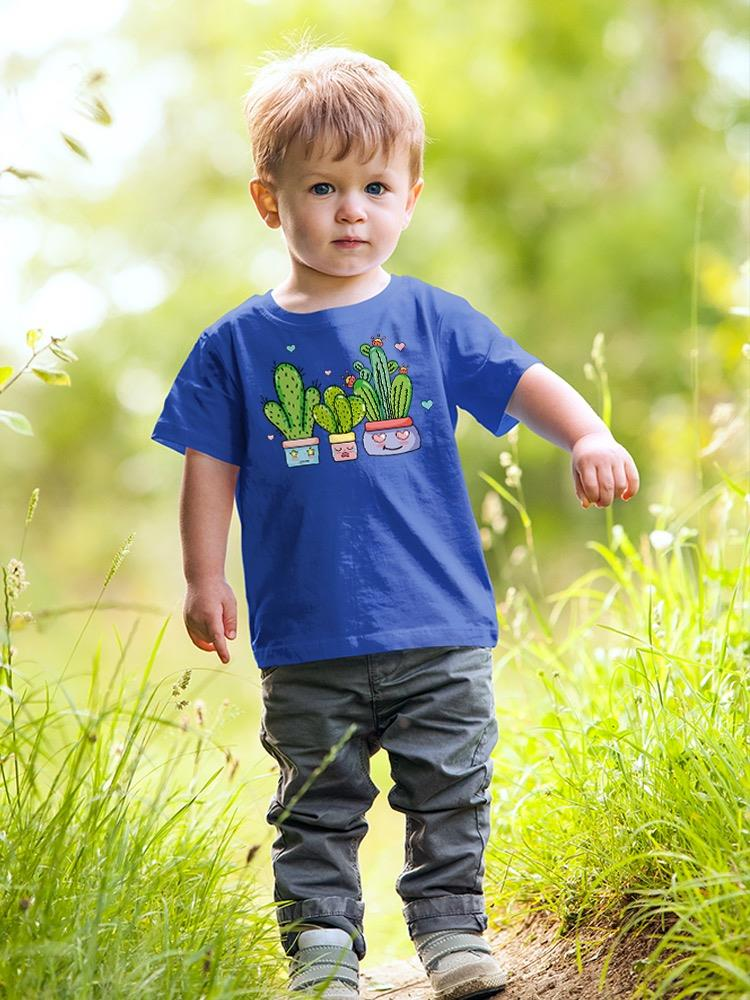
x=351 y=208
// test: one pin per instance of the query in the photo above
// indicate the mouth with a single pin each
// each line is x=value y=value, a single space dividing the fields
x=349 y=243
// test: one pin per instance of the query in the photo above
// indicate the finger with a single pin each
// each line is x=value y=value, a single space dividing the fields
x=197 y=639
x=580 y=492
x=577 y=486
x=590 y=483
x=230 y=619
x=633 y=480
x=621 y=480
x=221 y=645
x=606 y=485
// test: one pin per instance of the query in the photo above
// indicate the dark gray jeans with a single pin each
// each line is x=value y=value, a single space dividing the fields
x=433 y=710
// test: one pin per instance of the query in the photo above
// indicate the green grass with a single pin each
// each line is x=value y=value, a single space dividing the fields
x=622 y=776
x=119 y=844
x=621 y=791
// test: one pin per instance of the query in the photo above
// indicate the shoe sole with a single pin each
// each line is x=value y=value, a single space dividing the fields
x=474 y=989
x=308 y=994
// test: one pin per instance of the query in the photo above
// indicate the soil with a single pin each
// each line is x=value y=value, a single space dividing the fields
x=540 y=965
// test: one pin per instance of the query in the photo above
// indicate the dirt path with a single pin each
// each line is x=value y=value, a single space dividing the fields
x=539 y=967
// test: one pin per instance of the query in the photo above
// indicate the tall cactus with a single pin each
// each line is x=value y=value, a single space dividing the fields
x=293 y=414
x=383 y=399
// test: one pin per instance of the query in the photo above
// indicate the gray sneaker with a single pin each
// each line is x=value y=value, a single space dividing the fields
x=459 y=965
x=325 y=956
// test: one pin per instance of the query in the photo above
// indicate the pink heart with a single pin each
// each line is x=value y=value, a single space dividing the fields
x=399 y=347
x=327 y=371
x=270 y=436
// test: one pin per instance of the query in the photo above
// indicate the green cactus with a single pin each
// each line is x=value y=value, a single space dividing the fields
x=293 y=414
x=401 y=391
x=369 y=397
x=383 y=399
x=339 y=413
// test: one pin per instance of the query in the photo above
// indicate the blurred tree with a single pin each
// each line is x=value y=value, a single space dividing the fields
x=568 y=148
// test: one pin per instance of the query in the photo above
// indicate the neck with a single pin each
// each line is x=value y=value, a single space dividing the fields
x=308 y=290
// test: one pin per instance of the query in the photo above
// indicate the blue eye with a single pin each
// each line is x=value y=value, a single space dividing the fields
x=321 y=184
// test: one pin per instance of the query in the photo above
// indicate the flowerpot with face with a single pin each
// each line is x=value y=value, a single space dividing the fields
x=391 y=437
x=343 y=446
x=301 y=451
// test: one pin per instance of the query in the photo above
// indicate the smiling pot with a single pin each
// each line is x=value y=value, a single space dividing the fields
x=391 y=437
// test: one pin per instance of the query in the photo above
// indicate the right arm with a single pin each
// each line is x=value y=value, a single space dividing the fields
x=206 y=503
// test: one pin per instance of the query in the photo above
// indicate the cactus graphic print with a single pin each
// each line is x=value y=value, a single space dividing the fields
x=358 y=534
x=389 y=430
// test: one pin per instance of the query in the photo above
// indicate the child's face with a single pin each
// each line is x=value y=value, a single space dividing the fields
x=319 y=201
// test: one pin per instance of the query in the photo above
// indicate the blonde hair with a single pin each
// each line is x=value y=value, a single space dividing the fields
x=325 y=92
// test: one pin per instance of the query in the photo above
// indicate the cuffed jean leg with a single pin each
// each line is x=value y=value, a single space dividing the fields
x=308 y=708
x=440 y=735
x=322 y=911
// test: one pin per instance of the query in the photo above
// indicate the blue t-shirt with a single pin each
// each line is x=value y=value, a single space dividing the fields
x=358 y=534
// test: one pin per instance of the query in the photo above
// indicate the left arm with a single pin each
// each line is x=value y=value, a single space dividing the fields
x=553 y=409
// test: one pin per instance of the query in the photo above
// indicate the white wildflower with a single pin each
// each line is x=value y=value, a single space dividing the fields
x=597 y=351
x=661 y=539
x=486 y=536
x=722 y=413
x=723 y=434
x=588 y=371
x=513 y=476
x=491 y=505
x=658 y=508
x=492 y=512
x=505 y=606
x=506 y=459
x=16 y=578
x=518 y=555
x=618 y=533
x=686 y=532
x=746 y=351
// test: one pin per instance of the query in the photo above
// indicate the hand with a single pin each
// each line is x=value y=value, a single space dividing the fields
x=210 y=615
x=602 y=469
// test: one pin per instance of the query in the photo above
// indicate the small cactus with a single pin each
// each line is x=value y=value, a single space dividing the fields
x=338 y=413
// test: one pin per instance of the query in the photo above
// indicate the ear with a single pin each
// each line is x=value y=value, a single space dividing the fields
x=411 y=201
x=265 y=202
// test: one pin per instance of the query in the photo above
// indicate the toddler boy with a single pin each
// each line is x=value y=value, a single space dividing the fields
x=326 y=407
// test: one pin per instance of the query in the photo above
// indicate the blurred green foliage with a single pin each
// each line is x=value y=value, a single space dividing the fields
x=569 y=146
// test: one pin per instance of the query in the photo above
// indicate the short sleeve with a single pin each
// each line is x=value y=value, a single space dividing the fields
x=203 y=409
x=481 y=364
